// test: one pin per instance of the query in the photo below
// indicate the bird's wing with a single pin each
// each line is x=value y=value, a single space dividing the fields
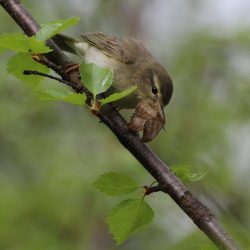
x=122 y=50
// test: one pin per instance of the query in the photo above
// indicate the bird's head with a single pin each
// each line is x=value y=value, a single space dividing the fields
x=154 y=83
x=154 y=92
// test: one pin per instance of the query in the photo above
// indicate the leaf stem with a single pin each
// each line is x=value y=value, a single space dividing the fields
x=34 y=72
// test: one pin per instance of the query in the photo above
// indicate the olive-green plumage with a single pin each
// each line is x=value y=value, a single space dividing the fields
x=132 y=64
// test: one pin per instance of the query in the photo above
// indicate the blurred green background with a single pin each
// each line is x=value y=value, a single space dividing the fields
x=50 y=153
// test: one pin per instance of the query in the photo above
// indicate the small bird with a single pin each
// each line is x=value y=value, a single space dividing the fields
x=132 y=65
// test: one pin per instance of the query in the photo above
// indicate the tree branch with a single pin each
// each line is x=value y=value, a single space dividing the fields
x=153 y=189
x=198 y=212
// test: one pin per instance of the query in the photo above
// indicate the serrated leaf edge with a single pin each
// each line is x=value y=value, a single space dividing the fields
x=108 y=173
x=135 y=230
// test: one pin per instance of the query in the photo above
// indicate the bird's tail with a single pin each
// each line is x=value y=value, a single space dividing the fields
x=70 y=44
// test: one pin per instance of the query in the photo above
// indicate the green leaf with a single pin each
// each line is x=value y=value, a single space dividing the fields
x=127 y=217
x=21 y=43
x=117 y=96
x=23 y=61
x=96 y=79
x=185 y=173
x=115 y=184
x=52 y=28
x=59 y=92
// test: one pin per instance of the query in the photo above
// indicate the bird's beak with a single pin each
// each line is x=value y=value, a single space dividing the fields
x=149 y=117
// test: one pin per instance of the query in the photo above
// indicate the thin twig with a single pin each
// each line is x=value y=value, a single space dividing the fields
x=34 y=72
x=43 y=60
x=153 y=189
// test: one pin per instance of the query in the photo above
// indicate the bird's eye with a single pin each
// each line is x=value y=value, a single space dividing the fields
x=154 y=90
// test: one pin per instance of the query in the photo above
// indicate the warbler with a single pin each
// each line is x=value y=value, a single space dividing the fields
x=132 y=65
